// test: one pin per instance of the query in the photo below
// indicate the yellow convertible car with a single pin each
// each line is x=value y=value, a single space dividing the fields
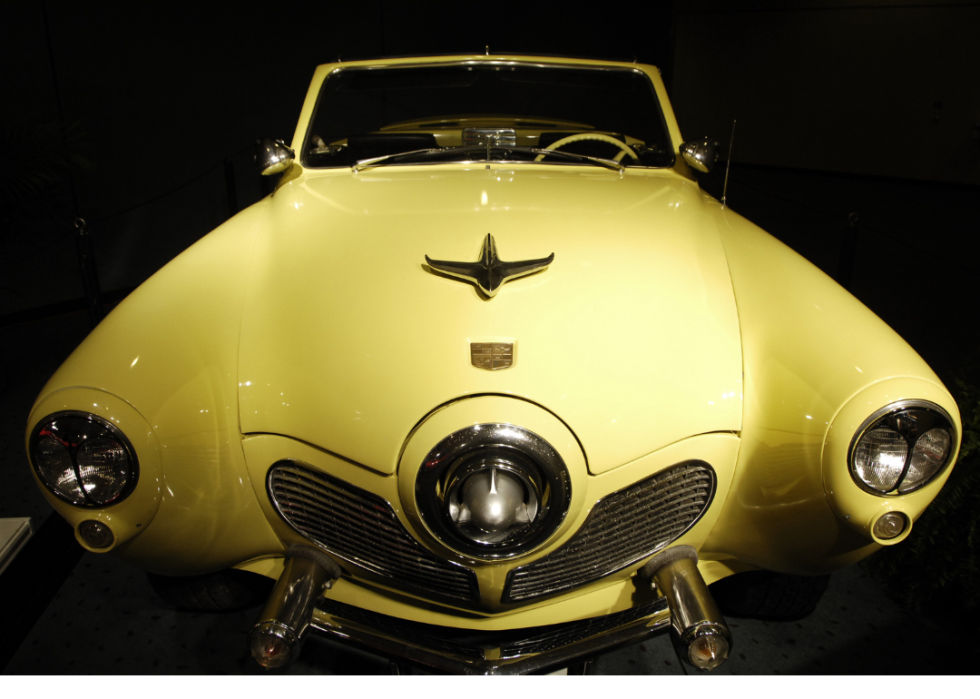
x=489 y=385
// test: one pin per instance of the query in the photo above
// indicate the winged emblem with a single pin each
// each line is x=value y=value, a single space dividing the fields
x=489 y=273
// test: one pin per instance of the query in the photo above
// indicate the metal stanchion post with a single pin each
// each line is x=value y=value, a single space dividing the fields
x=90 y=276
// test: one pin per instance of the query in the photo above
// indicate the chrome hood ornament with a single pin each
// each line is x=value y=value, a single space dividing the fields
x=489 y=273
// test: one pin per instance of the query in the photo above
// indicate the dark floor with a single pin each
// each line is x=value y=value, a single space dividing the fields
x=105 y=619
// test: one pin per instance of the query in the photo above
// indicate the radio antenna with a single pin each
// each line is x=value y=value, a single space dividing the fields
x=724 y=190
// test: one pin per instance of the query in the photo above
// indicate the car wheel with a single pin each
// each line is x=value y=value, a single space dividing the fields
x=762 y=594
x=225 y=590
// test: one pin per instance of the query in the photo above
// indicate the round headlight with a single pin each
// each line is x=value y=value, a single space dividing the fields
x=901 y=447
x=83 y=459
x=493 y=491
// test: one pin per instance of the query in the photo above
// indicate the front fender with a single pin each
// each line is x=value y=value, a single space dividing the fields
x=808 y=348
x=167 y=357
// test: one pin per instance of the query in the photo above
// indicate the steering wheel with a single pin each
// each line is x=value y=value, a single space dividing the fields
x=625 y=150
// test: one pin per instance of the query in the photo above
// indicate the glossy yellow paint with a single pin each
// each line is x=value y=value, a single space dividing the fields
x=809 y=348
x=348 y=340
x=639 y=279
x=668 y=328
x=169 y=353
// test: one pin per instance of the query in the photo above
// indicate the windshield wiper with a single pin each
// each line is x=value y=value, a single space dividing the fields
x=487 y=148
x=602 y=162
x=395 y=157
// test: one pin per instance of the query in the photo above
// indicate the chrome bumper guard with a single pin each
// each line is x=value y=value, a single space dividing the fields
x=698 y=630
x=462 y=651
x=685 y=608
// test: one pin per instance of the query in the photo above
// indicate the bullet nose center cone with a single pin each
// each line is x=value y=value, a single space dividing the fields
x=495 y=500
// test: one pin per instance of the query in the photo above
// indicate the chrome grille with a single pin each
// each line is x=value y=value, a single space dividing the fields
x=362 y=529
x=627 y=526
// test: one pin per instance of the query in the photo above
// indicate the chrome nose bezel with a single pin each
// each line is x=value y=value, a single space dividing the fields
x=502 y=446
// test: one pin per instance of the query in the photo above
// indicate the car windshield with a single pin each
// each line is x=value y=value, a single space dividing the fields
x=488 y=111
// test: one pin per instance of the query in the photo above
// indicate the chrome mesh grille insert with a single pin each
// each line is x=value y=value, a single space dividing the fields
x=625 y=527
x=362 y=529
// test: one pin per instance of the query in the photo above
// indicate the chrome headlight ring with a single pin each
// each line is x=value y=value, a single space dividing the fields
x=83 y=459
x=493 y=491
x=901 y=448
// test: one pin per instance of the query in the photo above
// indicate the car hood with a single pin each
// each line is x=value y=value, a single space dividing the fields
x=348 y=340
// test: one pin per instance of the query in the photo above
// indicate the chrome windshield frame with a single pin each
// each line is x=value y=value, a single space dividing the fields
x=489 y=62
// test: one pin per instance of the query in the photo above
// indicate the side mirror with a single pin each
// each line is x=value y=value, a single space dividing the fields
x=701 y=154
x=272 y=156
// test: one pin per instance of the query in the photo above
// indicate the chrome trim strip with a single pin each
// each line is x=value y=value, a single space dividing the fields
x=584 y=64
x=388 y=645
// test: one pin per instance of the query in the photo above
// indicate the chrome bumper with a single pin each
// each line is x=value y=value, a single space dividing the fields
x=459 y=651
x=686 y=609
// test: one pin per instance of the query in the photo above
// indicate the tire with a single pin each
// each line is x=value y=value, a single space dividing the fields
x=223 y=591
x=761 y=594
x=586 y=667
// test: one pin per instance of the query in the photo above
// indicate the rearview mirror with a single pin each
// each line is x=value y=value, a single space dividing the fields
x=701 y=154
x=272 y=156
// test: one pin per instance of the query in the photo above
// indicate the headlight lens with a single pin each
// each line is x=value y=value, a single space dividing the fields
x=83 y=459
x=928 y=456
x=54 y=465
x=901 y=447
x=880 y=458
